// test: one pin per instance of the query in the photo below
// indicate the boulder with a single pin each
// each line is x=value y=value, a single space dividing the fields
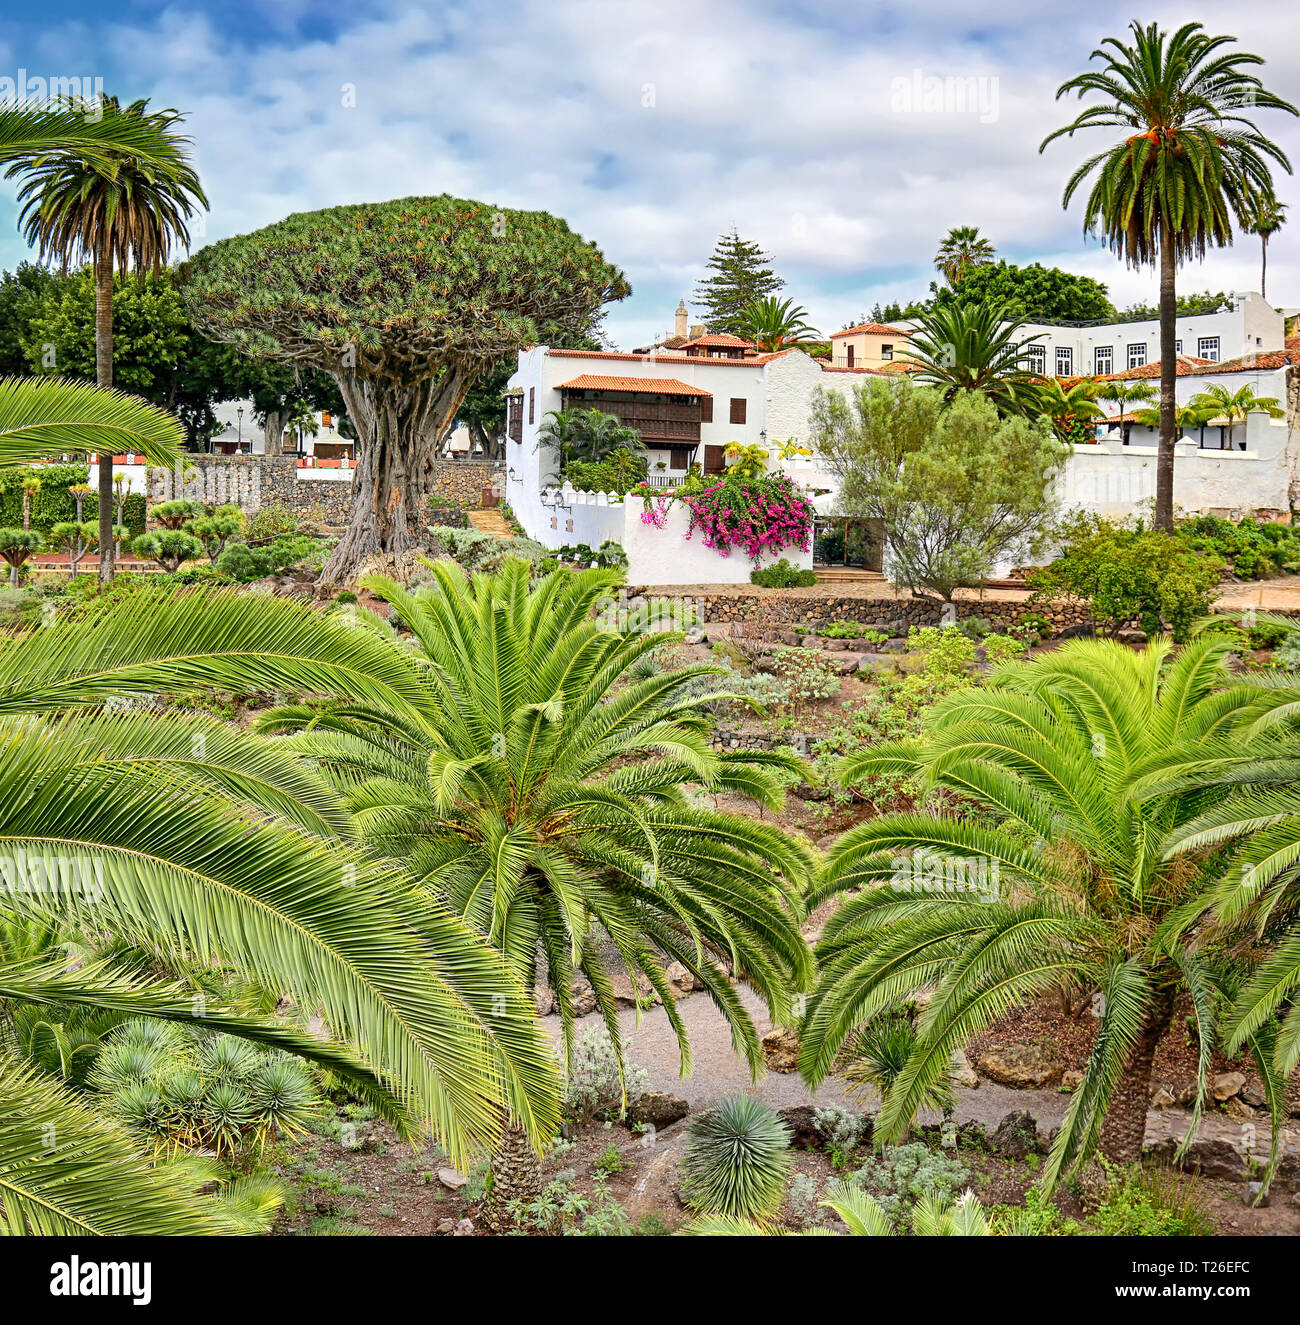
x=1021 y=1066
x=1071 y=1080
x=656 y=1109
x=781 y=1050
x=1162 y=1098
x=1254 y=1096
x=804 y=1132
x=1239 y=1109
x=892 y=646
x=963 y=1073
x=1016 y=1135
x=584 y=998
x=1132 y=637
x=1226 y=1085
x=452 y=1180
x=680 y=978
x=464 y=1229
x=1077 y=632
x=627 y=993
x=544 y=997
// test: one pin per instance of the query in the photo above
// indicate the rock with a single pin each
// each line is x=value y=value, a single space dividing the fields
x=1254 y=1096
x=963 y=1073
x=446 y=1226
x=892 y=646
x=584 y=998
x=1226 y=1085
x=1256 y=1195
x=781 y=1050
x=679 y=977
x=1022 y=1066
x=695 y=636
x=804 y=1132
x=1162 y=1098
x=1071 y=1080
x=1239 y=1109
x=1016 y=1135
x=544 y=997
x=1132 y=637
x=1077 y=632
x=835 y=645
x=656 y=1109
x=631 y=995
x=464 y=1228
x=846 y=665
x=452 y=1180
x=1210 y=1158
x=1186 y=1096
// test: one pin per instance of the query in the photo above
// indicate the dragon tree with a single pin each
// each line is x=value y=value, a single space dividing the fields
x=406 y=304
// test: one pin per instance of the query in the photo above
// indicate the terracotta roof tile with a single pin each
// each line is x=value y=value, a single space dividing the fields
x=870 y=329
x=658 y=386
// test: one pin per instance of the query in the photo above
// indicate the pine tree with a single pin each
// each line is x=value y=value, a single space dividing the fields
x=741 y=273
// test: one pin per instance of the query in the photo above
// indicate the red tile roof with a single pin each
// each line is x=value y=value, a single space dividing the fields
x=658 y=386
x=870 y=329
x=1187 y=366
x=1261 y=361
x=718 y=340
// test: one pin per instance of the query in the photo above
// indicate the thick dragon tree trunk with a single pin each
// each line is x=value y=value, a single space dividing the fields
x=399 y=429
x=1126 y=1120
x=104 y=378
x=1164 y=513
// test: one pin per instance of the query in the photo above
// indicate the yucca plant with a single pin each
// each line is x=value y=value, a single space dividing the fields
x=1090 y=875
x=737 y=1160
x=548 y=802
x=205 y=843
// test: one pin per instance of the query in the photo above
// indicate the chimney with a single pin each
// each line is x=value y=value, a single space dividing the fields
x=679 y=328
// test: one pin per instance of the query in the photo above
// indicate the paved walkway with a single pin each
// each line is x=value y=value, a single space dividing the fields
x=490 y=522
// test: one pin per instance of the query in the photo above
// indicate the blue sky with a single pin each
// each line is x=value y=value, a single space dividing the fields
x=652 y=126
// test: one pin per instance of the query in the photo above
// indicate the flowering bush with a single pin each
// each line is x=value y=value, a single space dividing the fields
x=757 y=514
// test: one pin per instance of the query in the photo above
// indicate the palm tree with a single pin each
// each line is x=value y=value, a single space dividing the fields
x=973 y=348
x=58 y=127
x=773 y=324
x=1066 y=407
x=1081 y=876
x=1235 y=406
x=1266 y=218
x=125 y=212
x=203 y=842
x=962 y=248
x=588 y=435
x=1187 y=418
x=551 y=810
x=1191 y=160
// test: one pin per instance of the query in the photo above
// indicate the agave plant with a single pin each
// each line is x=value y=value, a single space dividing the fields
x=1100 y=854
x=737 y=1160
x=201 y=841
x=547 y=802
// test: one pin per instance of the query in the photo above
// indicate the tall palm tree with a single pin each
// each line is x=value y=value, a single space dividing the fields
x=962 y=248
x=1235 y=406
x=1082 y=874
x=126 y=211
x=773 y=324
x=973 y=348
x=546 y=800
x=1192 y=160
x=206 y=843
x=1265 y=219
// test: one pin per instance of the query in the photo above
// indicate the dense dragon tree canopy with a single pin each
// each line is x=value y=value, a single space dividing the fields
x=400 y=290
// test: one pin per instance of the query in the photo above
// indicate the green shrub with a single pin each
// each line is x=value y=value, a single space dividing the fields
x=594 y=1087
x=900 y=1176
x=170 y=548
x=1131 y=574
x=1152 y=1203
x=806 y=675
x=476 y=551
x=1252 y=549
x=782 y=575
x=737 y=1159
x=289 y=552
x=944 y=650
x=1000 y=648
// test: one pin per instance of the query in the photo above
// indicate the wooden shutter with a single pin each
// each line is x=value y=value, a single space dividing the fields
x=738 y=409
x=706 y=409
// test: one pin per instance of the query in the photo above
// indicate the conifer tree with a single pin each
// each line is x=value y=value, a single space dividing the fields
x=741 y=274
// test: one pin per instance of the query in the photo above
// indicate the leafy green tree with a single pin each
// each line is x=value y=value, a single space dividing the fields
x=21 y=293
x=773 y=324
x=1035 y=293
x=1063 y=793
x=216 y=530
x=742 y=273
x=552 y=811
x=16 y=547
x=126 y=212
x=76 y=538
x=954 y=488
x=406 y=304
x=170 y=548
x=1191 y=161
x=1185 y=305
x=957 y=347
x=963 y=250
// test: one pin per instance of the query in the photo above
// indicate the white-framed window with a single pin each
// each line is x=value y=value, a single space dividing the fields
x=1064 y=361
x=1103 y=360
x=1208 y=348
x=886 y=351
x=1137 y=354
x=1178 y=347
x=1037 y=359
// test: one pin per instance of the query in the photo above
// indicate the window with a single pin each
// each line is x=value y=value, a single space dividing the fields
x=1064 y=361
x=1178 y=347
x=532 y=400
x=1103 y=360
x=886 y=351
x=515 y=418
x=1038 y=359
x=738 y=409
x=706 y=409
x=1137 y=355
x=850 y=358
x=1208 y=348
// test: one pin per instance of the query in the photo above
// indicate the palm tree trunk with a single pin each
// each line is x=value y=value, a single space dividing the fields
x=1263 y=267
x=104 y=378
x=1164 y=514
x=1126 y=1119
x=516 y=1176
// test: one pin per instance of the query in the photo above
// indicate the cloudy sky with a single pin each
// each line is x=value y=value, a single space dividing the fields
x=653 y=125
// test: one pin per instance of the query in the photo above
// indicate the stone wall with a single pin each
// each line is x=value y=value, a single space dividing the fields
x=255 y=481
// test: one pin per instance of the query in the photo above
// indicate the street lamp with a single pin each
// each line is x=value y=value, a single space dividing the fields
x=239 y=411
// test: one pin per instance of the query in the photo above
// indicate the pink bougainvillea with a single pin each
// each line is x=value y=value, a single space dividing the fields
x=757 y=515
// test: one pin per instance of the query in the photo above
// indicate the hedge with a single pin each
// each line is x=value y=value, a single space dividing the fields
x=52 y=503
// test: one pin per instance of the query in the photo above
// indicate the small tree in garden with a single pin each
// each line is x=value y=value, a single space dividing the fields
x=170 y=548
x=80 y=491
x=16 y=546
x=587 y=436
x=216 y=530
x=31 y=486
x=76 y=537
x=176 y=514
x=406 y=304
x=955 y=488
